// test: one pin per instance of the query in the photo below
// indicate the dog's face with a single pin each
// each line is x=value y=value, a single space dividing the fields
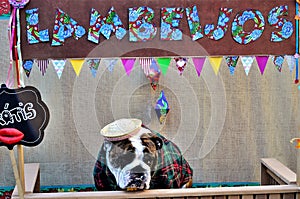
x=132 y=160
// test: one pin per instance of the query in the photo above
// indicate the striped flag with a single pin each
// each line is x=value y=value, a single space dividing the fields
x=145 y=64
x=43 y=65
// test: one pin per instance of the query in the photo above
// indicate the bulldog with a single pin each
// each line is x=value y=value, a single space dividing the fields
x=140 y=159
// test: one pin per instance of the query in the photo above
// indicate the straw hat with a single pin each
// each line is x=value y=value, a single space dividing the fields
x=121 y=129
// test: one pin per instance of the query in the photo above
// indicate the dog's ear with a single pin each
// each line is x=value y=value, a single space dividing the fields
x=157 y=141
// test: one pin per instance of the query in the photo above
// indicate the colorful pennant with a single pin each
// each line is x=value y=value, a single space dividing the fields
x=231 y=62
x=77 y=65
x=59 y=66
x=278 y=62
x=262 y=62
x=27 y=66
x=128 y=65
x=291 y=61
x=164 y=64
x=110 y=64
x=215 y=63
x=180 y=64
x=93 y=65
x=43 y=65
x=162 y=107
x=247 y=62
x=198 y=63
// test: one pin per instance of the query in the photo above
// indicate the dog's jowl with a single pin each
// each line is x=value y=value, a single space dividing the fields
x=134 y=157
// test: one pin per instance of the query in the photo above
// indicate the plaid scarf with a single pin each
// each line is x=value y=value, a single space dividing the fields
x=172 y=170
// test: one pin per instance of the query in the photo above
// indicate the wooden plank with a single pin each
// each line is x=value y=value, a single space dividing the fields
x=289 y=196
x=32 y=176
x=249 y=196
x=231 y=192
x=234 y=197
x=280 y=170
x=275 y=196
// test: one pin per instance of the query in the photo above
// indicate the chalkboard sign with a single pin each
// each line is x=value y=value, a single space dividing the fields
x=24 y=110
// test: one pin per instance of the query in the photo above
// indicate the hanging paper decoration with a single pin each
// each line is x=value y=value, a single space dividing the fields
x=278 y=61
x=198 y=63
x=231 y=62
x=162 y=107
x=275 y=20
x=145 y=64
x=238 y=33
x=59 y=66
x=93 y=65
x=247 y=62
x=194 y=23
x=110 y=64
x=297 y=17
x=32 y=25
x=106 y=25
x=64 y=28
x=14 y=38
x=128 y=65
x=164 y=64
x=296 y=142
x=170 y=18
x=154 y=74
x=141 y=27
x=77 y=65
x=180 y=64
x=262 y=62
x=291 y=61
x=43 y=65
x=4 y=7
x=215 y=63
x=223 y=21
x=27 y=66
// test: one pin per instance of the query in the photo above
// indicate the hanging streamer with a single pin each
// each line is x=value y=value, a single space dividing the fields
x=14 y=36
x=297 y=42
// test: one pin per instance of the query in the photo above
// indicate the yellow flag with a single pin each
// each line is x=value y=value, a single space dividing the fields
x=215 y=63
x=77 y=65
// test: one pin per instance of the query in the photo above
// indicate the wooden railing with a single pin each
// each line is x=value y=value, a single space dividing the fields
x=272 y=171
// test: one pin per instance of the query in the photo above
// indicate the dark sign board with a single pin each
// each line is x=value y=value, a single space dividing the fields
x=77 y=29
x=24 y=110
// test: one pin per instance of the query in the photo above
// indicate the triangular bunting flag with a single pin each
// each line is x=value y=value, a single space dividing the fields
x=93 y=65
x=215 y=63
x=164 y=64
x=110 y=64
x=27 y=65
x=43 y=65
x=198 y=63
x=291 y=61
x=59 y=66
x=278 y=61
x=145 y=64
x=162 y=107
x=180 y=64
x=77 y=65
x=247 y=62
x=128 y=65
x=262 y=62
x=231 y=62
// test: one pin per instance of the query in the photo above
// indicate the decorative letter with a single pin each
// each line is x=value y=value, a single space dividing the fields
x=285 y=25
x=242 y=37
x=223 y=20
x=106 y=25
x=64 y=28
x=32 y=25
x=169 y=23
x=194 y=23
x=140 y=26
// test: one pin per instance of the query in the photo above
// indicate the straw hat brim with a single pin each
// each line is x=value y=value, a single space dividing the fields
x=121 y=129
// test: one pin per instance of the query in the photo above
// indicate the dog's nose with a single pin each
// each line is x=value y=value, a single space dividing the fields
x=138 y=169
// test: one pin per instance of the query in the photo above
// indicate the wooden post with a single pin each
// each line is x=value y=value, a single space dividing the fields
x=21 y=165
x=298 y=167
